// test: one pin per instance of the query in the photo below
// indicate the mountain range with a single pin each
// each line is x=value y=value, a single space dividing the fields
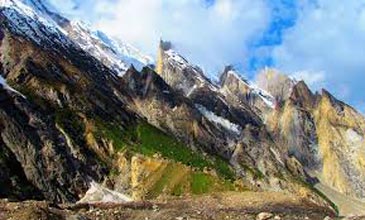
x=88 y=119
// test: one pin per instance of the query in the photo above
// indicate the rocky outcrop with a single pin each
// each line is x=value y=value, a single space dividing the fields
x=340 y=131
x=172 y=112
x=242 y=92
x=277 y=84
x=322 y=133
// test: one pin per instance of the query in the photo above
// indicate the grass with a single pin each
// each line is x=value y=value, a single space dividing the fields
x=163 y=182
x=224 y=169
x=178 y=190
x=152 y=140
x=148 y=140
x=112 y=133
x=201 y=183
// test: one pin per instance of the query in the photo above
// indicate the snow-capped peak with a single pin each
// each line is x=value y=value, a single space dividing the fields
x=29 y=17
x=191 y=71
x=25 y=21
x=115 y=54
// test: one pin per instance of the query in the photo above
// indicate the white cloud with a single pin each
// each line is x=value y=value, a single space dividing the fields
x=327 y=40
x=315 y=80
x=211 y=36
x=329 y=37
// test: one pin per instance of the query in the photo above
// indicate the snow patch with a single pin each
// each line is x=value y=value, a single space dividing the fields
x=268 y=99
x=175 y=59
x=99 y=194
x=9 y=88
x=219 y=120
x=114 y=53
x=26 y=22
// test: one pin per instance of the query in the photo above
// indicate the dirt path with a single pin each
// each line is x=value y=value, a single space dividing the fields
x=246 y=205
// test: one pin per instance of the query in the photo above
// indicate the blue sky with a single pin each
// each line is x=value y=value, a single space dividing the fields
x=320 y=41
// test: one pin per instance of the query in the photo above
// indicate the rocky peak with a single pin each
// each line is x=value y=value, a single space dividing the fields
x=240 y=90
x=44 y=8
x=225 y=74
x=327 y=97
x=178 y=72
x=277 y=84
x=302 y=96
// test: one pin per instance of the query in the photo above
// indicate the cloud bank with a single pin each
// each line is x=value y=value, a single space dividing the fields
x=327 y=38
x=211 y=34
x=320 y=41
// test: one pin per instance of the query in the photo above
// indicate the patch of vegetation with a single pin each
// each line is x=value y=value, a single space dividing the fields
x=151 y=141
x=163 y=182
x=145 y=139
x=120 y=137
x=114 y=172
x=224 y=169
x=201 y=183
x=178 y=190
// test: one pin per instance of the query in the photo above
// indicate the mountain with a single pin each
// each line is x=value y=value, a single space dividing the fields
x=113 y=53
x=84 y=117
x=241 y=90
x=290 y=112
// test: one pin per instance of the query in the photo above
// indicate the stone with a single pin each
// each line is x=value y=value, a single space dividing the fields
x=76 y=217
x=264 y=216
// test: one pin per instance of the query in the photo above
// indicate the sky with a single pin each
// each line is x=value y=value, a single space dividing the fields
x=320 y=41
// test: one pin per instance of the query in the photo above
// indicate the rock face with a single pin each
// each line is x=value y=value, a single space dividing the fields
x=277 y=84
x=322 y=133
x=340 y=131
x=241 y=91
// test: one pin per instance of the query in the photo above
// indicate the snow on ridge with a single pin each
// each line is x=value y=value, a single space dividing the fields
x=114 y=53
x=9 y=88
x=28 y=19
x=268 y=99
x=175 y=59
x=26 y=22
x=211 y=116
